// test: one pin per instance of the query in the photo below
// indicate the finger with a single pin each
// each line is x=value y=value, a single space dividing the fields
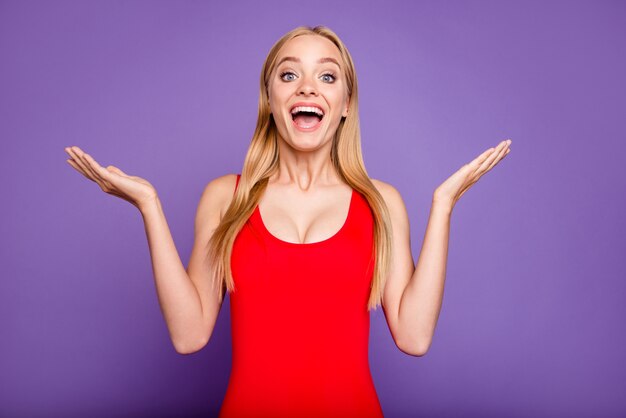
x=502 y=158
x=76 y=158
x=78 y=155
x=492 y=157
x=116 y=170
x=97 y=168
x=107 y=173
x=75 y=165
x=80 y=158
x=480 y=160
x=103 y=174
x=77 y=168
x=84 y=158
x=482 y=157
x=501 y=155
x=504 y=153
x=489 y=159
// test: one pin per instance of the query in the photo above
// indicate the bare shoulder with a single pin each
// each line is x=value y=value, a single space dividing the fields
x=216 y=197
x=223 y=186
x=395 y=205
x=390 y=194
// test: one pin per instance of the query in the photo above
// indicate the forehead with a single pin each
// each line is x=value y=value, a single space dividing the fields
x=309 y=48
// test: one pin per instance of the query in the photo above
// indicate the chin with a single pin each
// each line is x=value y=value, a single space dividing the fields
x=306 y=143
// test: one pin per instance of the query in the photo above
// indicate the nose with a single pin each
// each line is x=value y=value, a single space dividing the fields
x=307 y=87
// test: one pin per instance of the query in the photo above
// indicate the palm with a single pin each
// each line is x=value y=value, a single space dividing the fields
x=111 y=179
x=456 y=185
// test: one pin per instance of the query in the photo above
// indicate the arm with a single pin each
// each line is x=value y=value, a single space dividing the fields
x=413 y=295
x=420 y=303
x=188 y=302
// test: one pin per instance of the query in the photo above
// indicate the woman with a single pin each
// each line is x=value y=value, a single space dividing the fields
x=304 y=242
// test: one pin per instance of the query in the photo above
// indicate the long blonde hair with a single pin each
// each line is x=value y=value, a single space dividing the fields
x=262 y=161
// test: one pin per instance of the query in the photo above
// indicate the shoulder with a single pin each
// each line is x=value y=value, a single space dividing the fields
x=393 y=200
x=390 y=194
x=217 y=195
x=222 y=186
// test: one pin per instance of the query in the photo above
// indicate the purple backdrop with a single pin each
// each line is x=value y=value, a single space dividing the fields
x=532 y=319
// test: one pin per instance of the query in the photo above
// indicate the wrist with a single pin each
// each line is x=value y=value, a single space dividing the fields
x=149 y=205
x=442 y=204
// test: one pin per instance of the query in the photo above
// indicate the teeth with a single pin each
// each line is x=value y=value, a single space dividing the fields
x=307 y=109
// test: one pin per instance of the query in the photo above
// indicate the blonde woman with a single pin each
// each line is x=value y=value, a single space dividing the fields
x=304 y=242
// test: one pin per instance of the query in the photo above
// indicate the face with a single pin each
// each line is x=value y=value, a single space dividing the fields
x=310 y=74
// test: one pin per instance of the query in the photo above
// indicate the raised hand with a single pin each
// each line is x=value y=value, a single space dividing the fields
x=112 y=180
x=450 y=191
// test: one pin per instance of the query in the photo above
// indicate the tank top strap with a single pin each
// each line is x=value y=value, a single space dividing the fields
x=237 y=182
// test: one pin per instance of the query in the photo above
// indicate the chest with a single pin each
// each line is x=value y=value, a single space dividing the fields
x=302 y=220
x=263 y=262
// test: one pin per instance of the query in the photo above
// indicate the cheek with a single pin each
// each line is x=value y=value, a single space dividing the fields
x=340 y=103
x=275 y=108
x=277 y=99
x=273 y=102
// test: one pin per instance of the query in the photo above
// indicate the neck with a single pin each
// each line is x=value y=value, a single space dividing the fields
x=305 y=169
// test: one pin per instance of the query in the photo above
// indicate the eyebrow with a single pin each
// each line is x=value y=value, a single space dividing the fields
x=320 y=61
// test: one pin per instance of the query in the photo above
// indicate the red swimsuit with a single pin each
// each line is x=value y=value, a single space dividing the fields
x=300 y=325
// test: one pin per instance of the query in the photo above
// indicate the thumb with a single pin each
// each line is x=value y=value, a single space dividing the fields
x=116 y=170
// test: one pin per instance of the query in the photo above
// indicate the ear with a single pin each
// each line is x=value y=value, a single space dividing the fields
x=345 y=111
x=267 y=97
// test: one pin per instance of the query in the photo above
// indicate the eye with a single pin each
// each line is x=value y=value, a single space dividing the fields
x=330 y=77
x=284 y=73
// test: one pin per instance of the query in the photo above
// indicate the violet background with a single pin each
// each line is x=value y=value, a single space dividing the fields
x=533 y=315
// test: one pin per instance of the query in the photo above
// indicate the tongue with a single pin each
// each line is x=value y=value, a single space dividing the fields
x=306 y=121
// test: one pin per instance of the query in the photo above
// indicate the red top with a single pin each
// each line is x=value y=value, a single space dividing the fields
x=299 y=322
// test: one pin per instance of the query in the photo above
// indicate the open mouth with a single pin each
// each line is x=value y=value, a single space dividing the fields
x=307 y=117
